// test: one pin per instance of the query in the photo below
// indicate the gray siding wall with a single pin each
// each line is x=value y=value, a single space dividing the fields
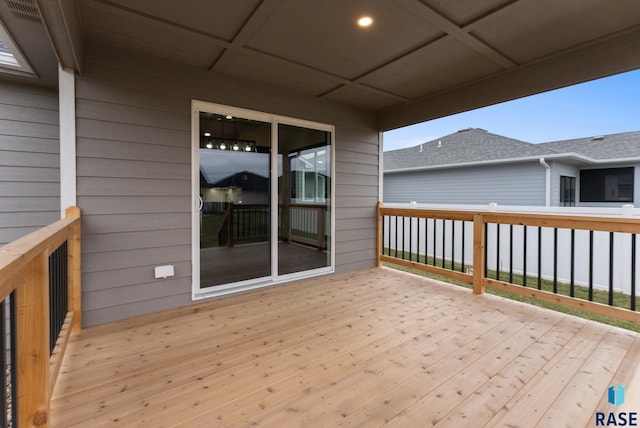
x=509 y=184
x=558 y=170
x=29 y=160
x=134 y=148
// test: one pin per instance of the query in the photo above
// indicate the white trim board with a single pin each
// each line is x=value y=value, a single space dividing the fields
x=67 y=104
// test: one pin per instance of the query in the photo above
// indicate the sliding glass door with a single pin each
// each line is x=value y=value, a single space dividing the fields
x=235 y=219
x=262 y=199
x=304 y=199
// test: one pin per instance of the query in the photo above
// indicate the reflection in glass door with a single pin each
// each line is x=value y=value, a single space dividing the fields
x=235 y=212
x=304 y=199
x=262 y=193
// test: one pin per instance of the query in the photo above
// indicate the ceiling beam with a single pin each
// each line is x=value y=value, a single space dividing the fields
x=460 y=34
x=448 y=28
x=606 y=56
x=257 y=18
x=129 y=13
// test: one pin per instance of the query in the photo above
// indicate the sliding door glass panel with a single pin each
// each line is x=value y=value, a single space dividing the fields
x=235 y=225
x=304 y=199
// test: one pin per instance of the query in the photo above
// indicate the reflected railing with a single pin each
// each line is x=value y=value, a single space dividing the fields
x=248 y=223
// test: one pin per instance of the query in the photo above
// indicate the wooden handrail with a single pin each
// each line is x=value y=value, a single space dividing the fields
x=480 y=219
x=24 y=271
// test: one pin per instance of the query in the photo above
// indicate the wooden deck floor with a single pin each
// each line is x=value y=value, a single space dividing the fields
x=371 y=348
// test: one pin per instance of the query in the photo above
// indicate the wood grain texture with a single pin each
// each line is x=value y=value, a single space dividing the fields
x=376 y=347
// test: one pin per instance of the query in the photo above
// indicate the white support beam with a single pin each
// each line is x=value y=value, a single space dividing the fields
x=67 y=100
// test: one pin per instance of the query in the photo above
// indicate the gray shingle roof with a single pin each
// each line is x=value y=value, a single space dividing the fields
x=613 y=146
x=476 y=145
x=465 y=146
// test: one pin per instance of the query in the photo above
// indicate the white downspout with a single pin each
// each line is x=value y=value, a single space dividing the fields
x=547 y=187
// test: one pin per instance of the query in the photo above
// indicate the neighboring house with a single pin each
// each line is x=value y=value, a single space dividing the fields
x=110 y=106
x=242 y=187
x=473 y=166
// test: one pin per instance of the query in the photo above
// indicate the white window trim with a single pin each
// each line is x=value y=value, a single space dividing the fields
x=198 y=106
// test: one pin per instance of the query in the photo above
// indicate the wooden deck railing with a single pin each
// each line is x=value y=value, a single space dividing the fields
x=249 y=223
x=456 y=244
x=40 y=286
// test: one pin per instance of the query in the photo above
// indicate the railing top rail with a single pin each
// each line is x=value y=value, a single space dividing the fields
x=310 y=206
x=606 y=224
x=563 y=221
x=15 y=255
x=428 y=213
x=237 y=207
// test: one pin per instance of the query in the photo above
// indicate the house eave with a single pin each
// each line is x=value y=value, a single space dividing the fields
x=572 y=156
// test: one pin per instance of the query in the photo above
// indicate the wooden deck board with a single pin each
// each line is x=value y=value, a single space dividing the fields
x=371 y=348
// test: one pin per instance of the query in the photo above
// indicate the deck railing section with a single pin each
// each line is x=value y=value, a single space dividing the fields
x=581 y=262
x=308 y=224
x=248 y=223
x=7 y=357
x=39 y=308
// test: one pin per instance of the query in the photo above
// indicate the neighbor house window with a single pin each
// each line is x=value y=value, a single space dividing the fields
x=607 y=185
x=567 y=191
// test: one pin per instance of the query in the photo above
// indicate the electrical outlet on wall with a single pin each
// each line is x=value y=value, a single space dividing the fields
x=164 y=271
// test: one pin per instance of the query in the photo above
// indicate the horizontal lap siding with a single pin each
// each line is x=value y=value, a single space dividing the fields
x=134 y=169
x=558 y=170
x=507 y=184
x=29 y=160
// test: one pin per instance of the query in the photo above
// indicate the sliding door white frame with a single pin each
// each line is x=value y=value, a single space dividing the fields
x=201 y=106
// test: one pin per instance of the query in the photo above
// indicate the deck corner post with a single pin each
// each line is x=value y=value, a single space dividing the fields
x=74 y=271
x=479 y=262
x=32 y=336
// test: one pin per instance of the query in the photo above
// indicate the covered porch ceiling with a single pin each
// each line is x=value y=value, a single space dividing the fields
x=421 y=59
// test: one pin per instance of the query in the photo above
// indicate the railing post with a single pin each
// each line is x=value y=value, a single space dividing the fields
x=379 y=244
x=74 y=256
x=230 y=225
x=32 y=342
x=479 y=262
x=320 y=227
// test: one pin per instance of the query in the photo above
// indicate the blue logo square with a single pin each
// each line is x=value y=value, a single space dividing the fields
x=616 y=395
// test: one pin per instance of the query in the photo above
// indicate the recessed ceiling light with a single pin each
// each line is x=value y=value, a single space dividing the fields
x=365 y=21
x=229 y=117
x=207 y=134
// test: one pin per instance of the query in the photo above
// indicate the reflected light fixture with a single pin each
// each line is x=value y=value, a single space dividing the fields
x=209 y=145
x=247 y=148
x=228 y=117
x=223 y=146
x=365 y=21
x=236 y=147
x=207 y=134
